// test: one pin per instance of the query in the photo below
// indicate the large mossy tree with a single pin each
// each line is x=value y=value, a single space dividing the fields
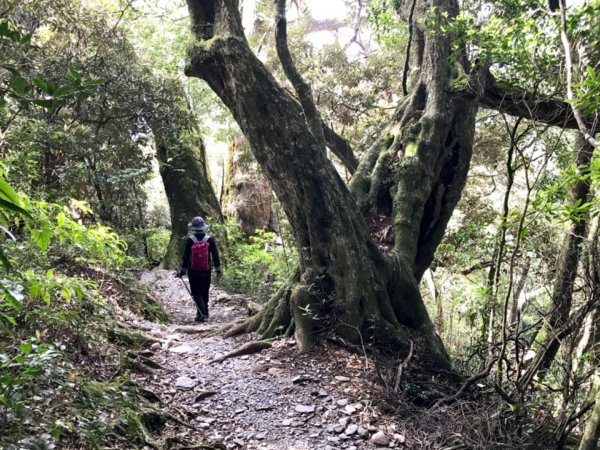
x=414 y=175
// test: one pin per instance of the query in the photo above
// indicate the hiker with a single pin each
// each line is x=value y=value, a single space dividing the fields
x=199 y=255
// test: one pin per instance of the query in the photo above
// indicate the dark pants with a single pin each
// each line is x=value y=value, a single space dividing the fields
x=200 y=284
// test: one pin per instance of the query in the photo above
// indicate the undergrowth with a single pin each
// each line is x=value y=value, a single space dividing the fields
x=64 y=376
x=256 y=265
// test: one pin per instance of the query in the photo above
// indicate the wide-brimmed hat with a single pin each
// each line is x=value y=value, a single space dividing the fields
x=198 y=224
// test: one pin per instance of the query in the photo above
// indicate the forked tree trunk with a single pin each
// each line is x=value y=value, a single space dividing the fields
x=345 y=285
x=183 y=168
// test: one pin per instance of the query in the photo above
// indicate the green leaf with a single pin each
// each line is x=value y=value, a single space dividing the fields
x=8 y=318
x=33 y=371
x=5 y=262
x=48 y=104
x=74 y=73
x=40 y=84
x=26 y=347
x=67 y=294
x=4 y=31
x=25 y=39
x=20 y=85
x=11 y=299
x=6 y=204
x=51 y=87
x=8 y=192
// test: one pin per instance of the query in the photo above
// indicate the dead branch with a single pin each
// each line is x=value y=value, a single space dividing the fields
x=246 y=349
x=466 y=385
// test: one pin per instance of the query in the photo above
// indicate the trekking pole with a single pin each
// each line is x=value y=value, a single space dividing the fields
x=186 y=287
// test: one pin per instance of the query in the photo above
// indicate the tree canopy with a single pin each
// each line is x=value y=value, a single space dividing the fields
x=414 y=181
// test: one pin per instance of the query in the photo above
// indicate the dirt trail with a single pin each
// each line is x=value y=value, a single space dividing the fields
x=277 y=399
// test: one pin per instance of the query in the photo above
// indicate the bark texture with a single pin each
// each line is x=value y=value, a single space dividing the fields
x=247 y=193
x=183 y=169
x=346 y=285
x=418 y=168
x=591 y=434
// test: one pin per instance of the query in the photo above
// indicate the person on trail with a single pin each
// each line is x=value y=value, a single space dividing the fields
x=199 y=256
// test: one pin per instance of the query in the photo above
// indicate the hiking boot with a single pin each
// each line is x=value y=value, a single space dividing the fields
x=199 y=319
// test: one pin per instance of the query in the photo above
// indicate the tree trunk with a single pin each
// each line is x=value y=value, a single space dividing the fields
x=247 y=193
x=566 y=270
x=346 y=285
x=183 y=168
x=418 y=168
x=591 y=434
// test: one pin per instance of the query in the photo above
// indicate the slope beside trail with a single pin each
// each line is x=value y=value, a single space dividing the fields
x=276 y=399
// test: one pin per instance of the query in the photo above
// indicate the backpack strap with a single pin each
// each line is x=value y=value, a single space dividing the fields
x=205 y=238
x=194 y=238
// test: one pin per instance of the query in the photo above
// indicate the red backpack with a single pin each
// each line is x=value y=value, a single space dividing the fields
x=200 y=252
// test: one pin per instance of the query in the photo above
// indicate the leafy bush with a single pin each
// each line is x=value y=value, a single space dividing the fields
x=149 y=245
x=54 y=327
x=257 y=264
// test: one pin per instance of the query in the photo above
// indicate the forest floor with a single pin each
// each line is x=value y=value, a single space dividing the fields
x=276 y=399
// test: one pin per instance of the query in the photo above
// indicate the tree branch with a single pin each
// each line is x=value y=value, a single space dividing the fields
x=340 y=148
x=324 y=134
x=569 y=68
x=521 y=103
x=313 y=118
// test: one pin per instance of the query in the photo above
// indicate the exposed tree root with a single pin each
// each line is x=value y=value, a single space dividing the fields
x=196 y=329
x=148 y=395
x=274 y=319
x=130 y=337
x=204 y=394
x=246 y=349
x=137 y=359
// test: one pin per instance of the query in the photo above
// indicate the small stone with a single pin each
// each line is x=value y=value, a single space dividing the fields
x=204 y=419
x=333 y=439
x=363 y=432
x=275 y=371
x=352 y=447
x=183 y=348
x=344 y=421
x=224 y=298
x=342 y=402
x=261 y=436
x=351 y=429
x=305 y=409
x=155 y=346
x=185 y=383
x=342 y=378
x=338 y=429
x=322 y=393
x=286 y=423
x=400 y=438
x=380 y=439
x=349 y=409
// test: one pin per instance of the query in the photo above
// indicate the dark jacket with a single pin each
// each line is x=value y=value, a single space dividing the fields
x=213 y=254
